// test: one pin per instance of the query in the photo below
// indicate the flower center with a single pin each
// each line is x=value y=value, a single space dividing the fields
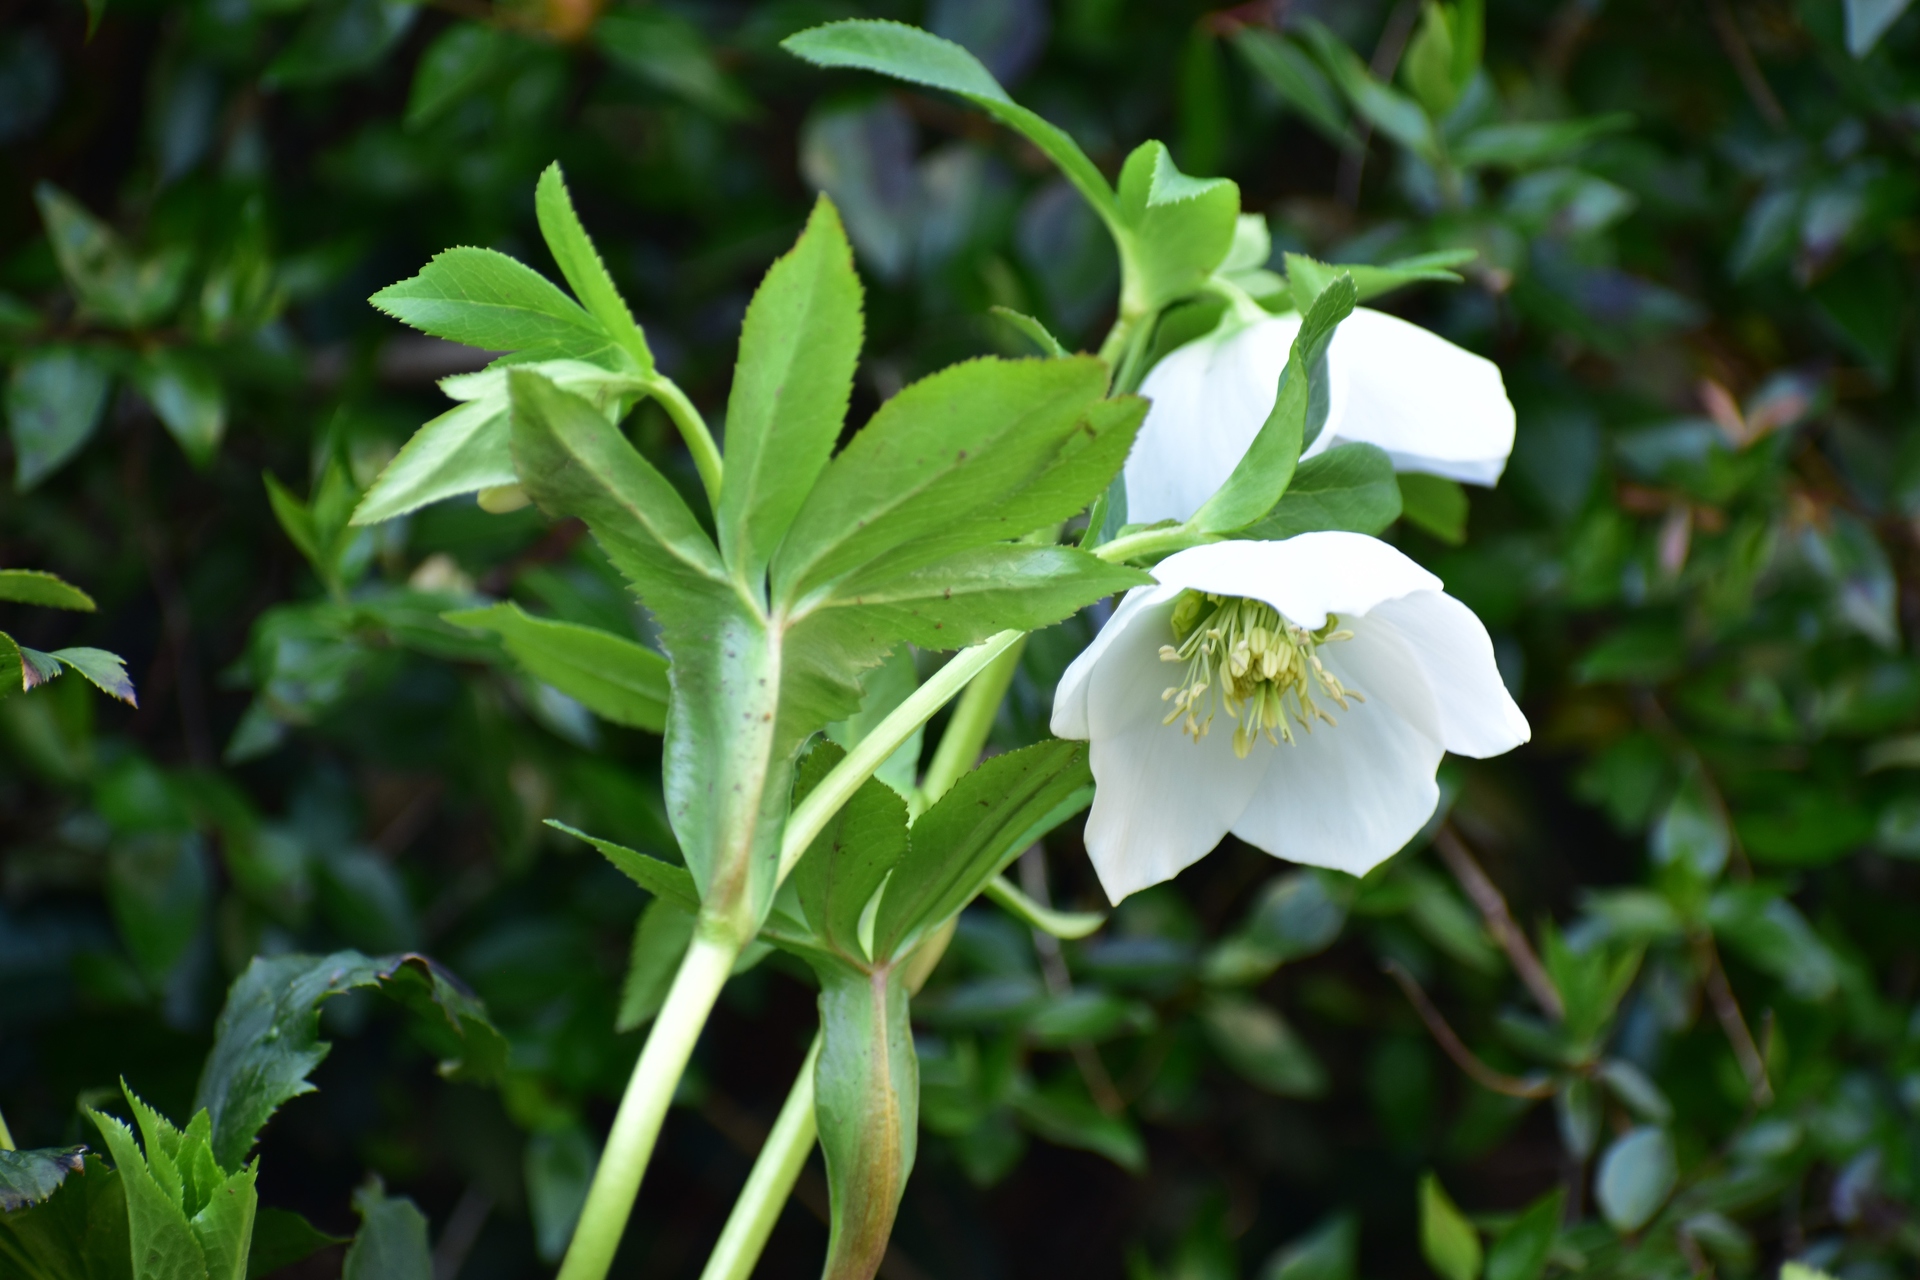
x=1242 y=655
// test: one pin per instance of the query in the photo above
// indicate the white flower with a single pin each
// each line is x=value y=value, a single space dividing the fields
x=1432 y=406
x=1336 y=673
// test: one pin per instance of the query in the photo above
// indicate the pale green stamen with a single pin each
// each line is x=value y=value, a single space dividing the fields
x=1243 y=656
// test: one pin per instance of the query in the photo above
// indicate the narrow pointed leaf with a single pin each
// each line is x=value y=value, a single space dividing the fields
x=799 y=346
x=662 y=879
x=615 y=678
x=975 y=829
x=919 y=57
x=1264 y=473
x=107 y=671
x=851 y=858
x=33 y=586
x=580 y=263
x=487 y=300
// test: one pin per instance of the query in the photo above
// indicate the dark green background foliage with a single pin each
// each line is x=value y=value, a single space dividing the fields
x=1697 y=238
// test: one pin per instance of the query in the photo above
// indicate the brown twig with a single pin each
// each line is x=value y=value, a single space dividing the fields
x=1493 y=909
x=1053 y=969
x=1732 y=1021
x=460 y=1234
x=1386 y=60
x=1741 y=56
x=1482 y=1074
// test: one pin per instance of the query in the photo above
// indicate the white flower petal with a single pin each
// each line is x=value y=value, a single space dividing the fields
x=1209 y=400
x=1070 y=697
x=1477 y=716
x=1305 y=577
x=1162 y=801
x=1347 y=796
x=1432 y=406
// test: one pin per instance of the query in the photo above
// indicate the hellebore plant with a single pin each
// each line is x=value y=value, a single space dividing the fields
x=978 y=504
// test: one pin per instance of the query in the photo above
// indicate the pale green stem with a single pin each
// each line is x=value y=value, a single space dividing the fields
x=812 y=814
x=774 y=1173
x=693 y=429
x=973 y=717
x=636 y=1126
x=1148 y=542
x=6 y=1135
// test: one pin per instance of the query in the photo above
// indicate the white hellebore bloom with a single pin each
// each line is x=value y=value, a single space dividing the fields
x=1431 y=405
x=1344 y=672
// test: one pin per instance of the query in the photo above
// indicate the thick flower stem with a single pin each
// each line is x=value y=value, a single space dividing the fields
x=1149 y=542
x=643 y=1109
x=811 y=815
x=768 y=1186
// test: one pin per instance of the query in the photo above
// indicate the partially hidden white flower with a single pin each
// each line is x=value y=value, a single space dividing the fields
x=1431 y=405
x=1299 y=694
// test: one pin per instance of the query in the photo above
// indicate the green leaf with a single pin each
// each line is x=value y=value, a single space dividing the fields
x=266 y=1041
x=1521 y=1249
x=392 y=1241
x=660 y=939
x=1296 y=915
x=1032 y=330
x=910 y=54
x=850 y=860
x=1063 y=1114
x=1264 y=472
x=1176 y=229
x=1350 y=486
x=1533 y=143
x=1259 y=1044
x=487 y=300
x=1331 y=1251
x=1061 y=924
x=281 y=1238
x=1692 y=831
x=559 y=1169
x=1770 y=933
x=966 y=839
x=1388 y=110
x=974 y=594
x=55 y=397
x=573 y=463
x=1634 y=1178
x=723 y=740
x=799 y=346
x=1434 y=504
x=456 y=65
x=340 y=38
x=36 y=668
x=187 y=1215
x=187 y=398
x=937 y=464
x=78 y=1234
x=669 y=53
x=36 y=586
x=1300 y=84
x=585 y=273
x=465 y=449
x=109 y=281
x=29 y=1177
x=1448 y=1241
x=866 y=1103
x=106 y=671
x=612 y=676
x=662 y=879
x=161 y=1241
x=1307 y=279
x=1060 y=485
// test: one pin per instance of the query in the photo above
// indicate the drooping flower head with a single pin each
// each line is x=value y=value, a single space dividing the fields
x=1299 y=694
x=1432 y=406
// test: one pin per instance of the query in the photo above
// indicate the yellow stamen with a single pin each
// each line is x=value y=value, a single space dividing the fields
x=1241 y=655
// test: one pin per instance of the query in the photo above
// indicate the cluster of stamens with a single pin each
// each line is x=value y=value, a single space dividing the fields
x=1242 y=655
